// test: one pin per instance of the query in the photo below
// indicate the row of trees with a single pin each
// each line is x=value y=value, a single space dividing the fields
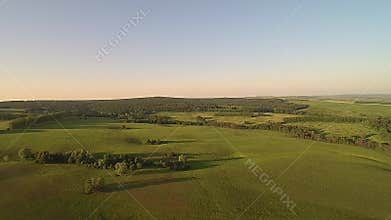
x=157 y=104
x=325 y=118
x=317 y=134
x=147 y=118
x=121 y=163
x=154 y=141
x=174 y=162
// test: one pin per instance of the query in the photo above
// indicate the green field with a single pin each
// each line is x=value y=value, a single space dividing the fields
x=346 y=108
x=11 y=110
x=328 y=181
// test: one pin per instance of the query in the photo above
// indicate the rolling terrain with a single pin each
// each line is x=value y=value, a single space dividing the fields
x=323 y=180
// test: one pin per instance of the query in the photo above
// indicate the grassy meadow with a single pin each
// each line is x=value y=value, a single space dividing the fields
x=328 y=181
x=339 y=129
x=325 y=181
x=346 y=108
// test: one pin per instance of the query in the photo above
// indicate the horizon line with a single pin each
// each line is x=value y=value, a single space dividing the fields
x=187 y=97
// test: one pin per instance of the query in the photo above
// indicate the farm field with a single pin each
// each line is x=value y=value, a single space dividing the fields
x=338 y=129
x=346 y=108
x=328 y=181
x=228 y=117
x=3 y=125
x=11 y=110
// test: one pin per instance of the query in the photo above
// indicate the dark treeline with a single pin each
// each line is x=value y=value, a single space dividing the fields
x=48 y=106
x=326 y=118
x=158 y=104
x=147 y=118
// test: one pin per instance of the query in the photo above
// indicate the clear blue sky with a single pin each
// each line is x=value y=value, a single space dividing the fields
x=194 y=48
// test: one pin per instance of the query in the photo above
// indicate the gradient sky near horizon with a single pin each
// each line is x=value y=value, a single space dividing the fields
x=197 y=48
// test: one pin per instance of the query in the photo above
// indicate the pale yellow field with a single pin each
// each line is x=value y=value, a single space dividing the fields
x=3 y=125
x=192 y=116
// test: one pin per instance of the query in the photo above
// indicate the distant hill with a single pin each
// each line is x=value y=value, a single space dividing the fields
x=156 y=104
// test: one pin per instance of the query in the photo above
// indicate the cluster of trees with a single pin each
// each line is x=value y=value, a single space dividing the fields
x=112 y=161
x=121 y=163
x=317 y=134
x=154 y=141
x=5 y=158
x=152 y=119
x=26 y=154
x=174 y=162
x=325 y=118
x=79 y=156
x=94 y=184
x=381 y=123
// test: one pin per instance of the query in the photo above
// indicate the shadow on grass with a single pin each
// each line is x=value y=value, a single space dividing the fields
x=152 y=171
x=204 y=164
x=200 y=165
x=133 y=140
x=177 y=141
x=115 y=187
x=220 y=159
x=147 y=155
x=121 y=128
x=194 y=165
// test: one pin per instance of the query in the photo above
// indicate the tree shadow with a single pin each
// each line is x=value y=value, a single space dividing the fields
x=133 y=140
x=193 y=165
x=221 y=159
x=177 y=141
x=204 y=164
x=147 y=155
x=115 y=187
x=152 y=171
x=200 y=165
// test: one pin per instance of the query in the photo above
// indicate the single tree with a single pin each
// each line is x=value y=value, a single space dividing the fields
x=25 y=153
